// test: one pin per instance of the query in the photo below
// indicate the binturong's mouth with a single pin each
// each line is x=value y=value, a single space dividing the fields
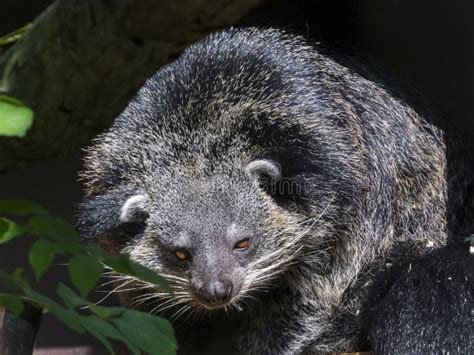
x=212 y=305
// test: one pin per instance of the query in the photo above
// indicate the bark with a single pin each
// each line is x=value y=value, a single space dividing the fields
x=18 y=333
x=83 y=60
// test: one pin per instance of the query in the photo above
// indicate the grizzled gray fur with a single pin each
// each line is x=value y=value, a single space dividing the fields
x=264 y=179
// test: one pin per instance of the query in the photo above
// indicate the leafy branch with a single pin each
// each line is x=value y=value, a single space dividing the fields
x=15 y=35
x=138 y=330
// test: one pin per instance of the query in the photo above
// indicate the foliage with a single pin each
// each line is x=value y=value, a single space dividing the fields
x=141 y=332
x=15 y=35
x=15 y=118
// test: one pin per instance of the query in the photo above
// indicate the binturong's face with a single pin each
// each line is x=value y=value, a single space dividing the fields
x=206 y=233
x=215 y=237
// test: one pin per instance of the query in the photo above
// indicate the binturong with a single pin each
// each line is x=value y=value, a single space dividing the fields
x=270 y=184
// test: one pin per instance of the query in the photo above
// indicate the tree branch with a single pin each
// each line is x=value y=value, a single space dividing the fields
x=83 y=60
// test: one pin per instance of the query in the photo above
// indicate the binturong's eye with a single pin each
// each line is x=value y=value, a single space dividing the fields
x=242 y=244
x=181 y=254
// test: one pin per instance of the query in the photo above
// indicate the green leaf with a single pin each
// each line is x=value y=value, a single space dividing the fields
x=10 y=100
x=15 y=118
x=106 y=312
x=20 y=207
x=13 y=283
x=70 y=298
x=60 y=233
x=95 y=250
x=124 y=265
x=9 y=230
x=15 y=35
x=145 y=274
x=41 y=256
x=98 y=326
x=67 y=316
x=84 y=271
x=3 y=227
x=11 y=303
x=120 y=263
x=138 y=326
x=96 y=333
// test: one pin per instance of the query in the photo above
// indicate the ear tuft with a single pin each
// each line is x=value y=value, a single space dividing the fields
x=264 y=168
x=134 y=209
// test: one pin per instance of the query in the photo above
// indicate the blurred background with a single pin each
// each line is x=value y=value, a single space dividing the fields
x=428 y=44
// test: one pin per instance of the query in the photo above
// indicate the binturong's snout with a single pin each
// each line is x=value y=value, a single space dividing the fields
x=214 y=293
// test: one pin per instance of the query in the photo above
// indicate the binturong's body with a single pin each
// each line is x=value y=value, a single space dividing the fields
x=261 y=177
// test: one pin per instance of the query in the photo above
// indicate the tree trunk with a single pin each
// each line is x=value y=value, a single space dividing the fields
x=82 y=61
x=18 y=334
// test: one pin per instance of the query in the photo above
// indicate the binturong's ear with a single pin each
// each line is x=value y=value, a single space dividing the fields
x=100 y=214
x=134 y=209
x=265 y=171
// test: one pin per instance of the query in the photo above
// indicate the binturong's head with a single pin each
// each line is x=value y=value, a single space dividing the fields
x=212 y=175
x=215 y=237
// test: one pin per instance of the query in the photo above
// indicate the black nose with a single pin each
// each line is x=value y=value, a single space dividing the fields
x=216 y=292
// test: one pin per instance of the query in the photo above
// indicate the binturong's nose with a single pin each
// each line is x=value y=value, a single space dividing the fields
x=215 y=293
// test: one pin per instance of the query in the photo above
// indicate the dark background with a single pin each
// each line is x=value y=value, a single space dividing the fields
x=429 y=44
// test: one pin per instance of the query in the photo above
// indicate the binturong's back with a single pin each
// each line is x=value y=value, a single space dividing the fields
x=271 y=185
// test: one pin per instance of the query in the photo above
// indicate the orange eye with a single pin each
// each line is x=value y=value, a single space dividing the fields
x=181 y=254
x=242 y=244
